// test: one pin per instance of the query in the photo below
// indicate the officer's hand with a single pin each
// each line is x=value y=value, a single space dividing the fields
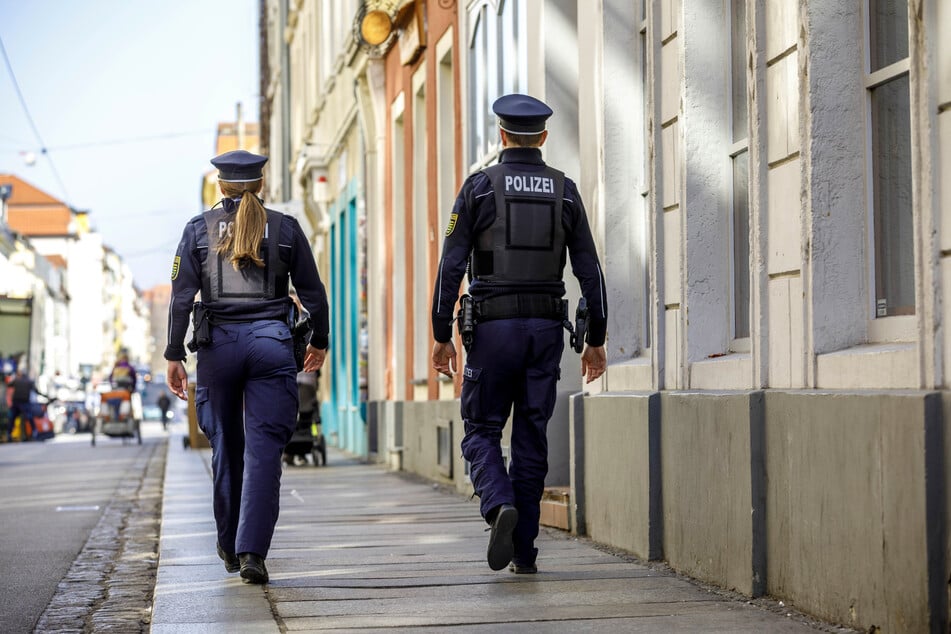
x=445 y=358
x=314 y=358
x=593 y=363
x=177 y=379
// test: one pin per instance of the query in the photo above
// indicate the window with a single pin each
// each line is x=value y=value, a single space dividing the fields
x=645 y=181
x=445 y=131
x=398 y=334
x=740 y=163
x=497 y=63
x=421 y=232
x=889 y=109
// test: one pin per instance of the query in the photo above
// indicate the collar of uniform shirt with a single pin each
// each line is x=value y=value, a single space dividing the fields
x=521 y=155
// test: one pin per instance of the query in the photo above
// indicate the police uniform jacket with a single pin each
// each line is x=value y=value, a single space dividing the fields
x=474 y=212
x=294 y=252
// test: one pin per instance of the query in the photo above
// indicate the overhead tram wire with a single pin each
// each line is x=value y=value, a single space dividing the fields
x=29 y=117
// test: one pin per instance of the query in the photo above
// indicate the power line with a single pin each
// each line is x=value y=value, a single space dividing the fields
x=140 y=139
x=29 y=118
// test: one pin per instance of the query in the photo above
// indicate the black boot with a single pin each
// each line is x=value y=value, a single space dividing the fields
x=501 y=547
x=231 y=560
x=253 y=569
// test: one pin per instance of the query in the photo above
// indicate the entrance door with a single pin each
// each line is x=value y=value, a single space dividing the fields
x=343 y=408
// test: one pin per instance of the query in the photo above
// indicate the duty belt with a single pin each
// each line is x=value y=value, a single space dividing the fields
x=515 y=306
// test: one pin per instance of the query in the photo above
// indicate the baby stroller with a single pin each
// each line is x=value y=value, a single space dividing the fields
x=308 y=439
x=120 y=414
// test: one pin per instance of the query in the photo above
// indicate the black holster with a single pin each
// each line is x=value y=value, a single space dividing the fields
x=201 y=327
x=300 y=330
x=465 y=319
x=580 y=330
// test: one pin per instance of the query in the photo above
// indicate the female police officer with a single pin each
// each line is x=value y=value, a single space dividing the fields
x=240 y=255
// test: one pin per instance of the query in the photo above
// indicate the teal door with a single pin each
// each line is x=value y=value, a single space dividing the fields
x=343 y=411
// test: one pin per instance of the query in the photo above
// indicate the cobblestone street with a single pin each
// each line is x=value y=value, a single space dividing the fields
x=109 y=587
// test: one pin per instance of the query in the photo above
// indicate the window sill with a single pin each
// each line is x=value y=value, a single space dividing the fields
x=633 y=375
x=729 y=372
x=893 y=329
x=873 y=366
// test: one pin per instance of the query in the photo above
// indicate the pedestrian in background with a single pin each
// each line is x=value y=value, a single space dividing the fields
x=241 y=257
x=21 y=404
x=512 y=224
x=164 y=402
x=123 y=375
x=5 y=422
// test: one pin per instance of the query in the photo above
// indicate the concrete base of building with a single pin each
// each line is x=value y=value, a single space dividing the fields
x=834 y=502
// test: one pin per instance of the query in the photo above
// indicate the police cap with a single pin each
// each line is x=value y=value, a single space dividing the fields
x=239 y=166
x=521 y=114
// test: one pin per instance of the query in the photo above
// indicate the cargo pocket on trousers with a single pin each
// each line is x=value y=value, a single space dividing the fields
x=471 y=398
x=206 y=419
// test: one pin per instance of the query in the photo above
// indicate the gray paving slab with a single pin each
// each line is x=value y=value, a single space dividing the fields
x=360 y=548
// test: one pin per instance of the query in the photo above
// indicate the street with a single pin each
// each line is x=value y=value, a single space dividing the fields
x=53 y=496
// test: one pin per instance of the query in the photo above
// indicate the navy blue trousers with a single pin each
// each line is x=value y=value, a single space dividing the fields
x=512 y=367
x=246 y=400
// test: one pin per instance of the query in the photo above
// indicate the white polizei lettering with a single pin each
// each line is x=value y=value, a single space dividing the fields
x=228 y=227
x=538 y=184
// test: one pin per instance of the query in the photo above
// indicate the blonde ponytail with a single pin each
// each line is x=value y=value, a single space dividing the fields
x=242 y=246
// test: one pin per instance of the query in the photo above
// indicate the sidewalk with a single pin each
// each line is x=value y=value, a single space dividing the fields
x=358 y=548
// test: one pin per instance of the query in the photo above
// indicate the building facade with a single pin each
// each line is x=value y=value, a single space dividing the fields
x=765 y=183
x=96 y=309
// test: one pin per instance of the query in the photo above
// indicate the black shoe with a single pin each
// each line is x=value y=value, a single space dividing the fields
x=501 y=547
x=523 y=569
x=253 y=569
x=231 y=560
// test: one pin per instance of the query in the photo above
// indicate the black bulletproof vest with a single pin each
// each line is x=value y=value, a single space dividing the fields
x=526 y=242
x=221 y=283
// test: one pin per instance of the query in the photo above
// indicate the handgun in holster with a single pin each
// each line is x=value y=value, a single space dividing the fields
x=301 y=326
x=580 y=327
x=465 y=319
x=201 y=327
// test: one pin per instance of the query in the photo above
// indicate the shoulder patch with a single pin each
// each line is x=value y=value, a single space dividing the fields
x=452 y=223
x=176 y=264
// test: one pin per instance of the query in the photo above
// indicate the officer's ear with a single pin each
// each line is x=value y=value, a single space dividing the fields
x=542 y=138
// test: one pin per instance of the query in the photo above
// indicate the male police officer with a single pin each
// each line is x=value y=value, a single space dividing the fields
x=512 y=224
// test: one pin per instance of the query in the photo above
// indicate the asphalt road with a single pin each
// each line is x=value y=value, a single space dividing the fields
x=52 y=494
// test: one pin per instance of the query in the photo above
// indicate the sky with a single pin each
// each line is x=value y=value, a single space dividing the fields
x=126 y=96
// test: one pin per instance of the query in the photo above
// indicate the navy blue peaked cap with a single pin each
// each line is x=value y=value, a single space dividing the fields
x=521 y=114
x=239 y=166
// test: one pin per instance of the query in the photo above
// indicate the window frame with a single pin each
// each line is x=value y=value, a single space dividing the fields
x=420 y=230
x=736 y=148
x=887 y=328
